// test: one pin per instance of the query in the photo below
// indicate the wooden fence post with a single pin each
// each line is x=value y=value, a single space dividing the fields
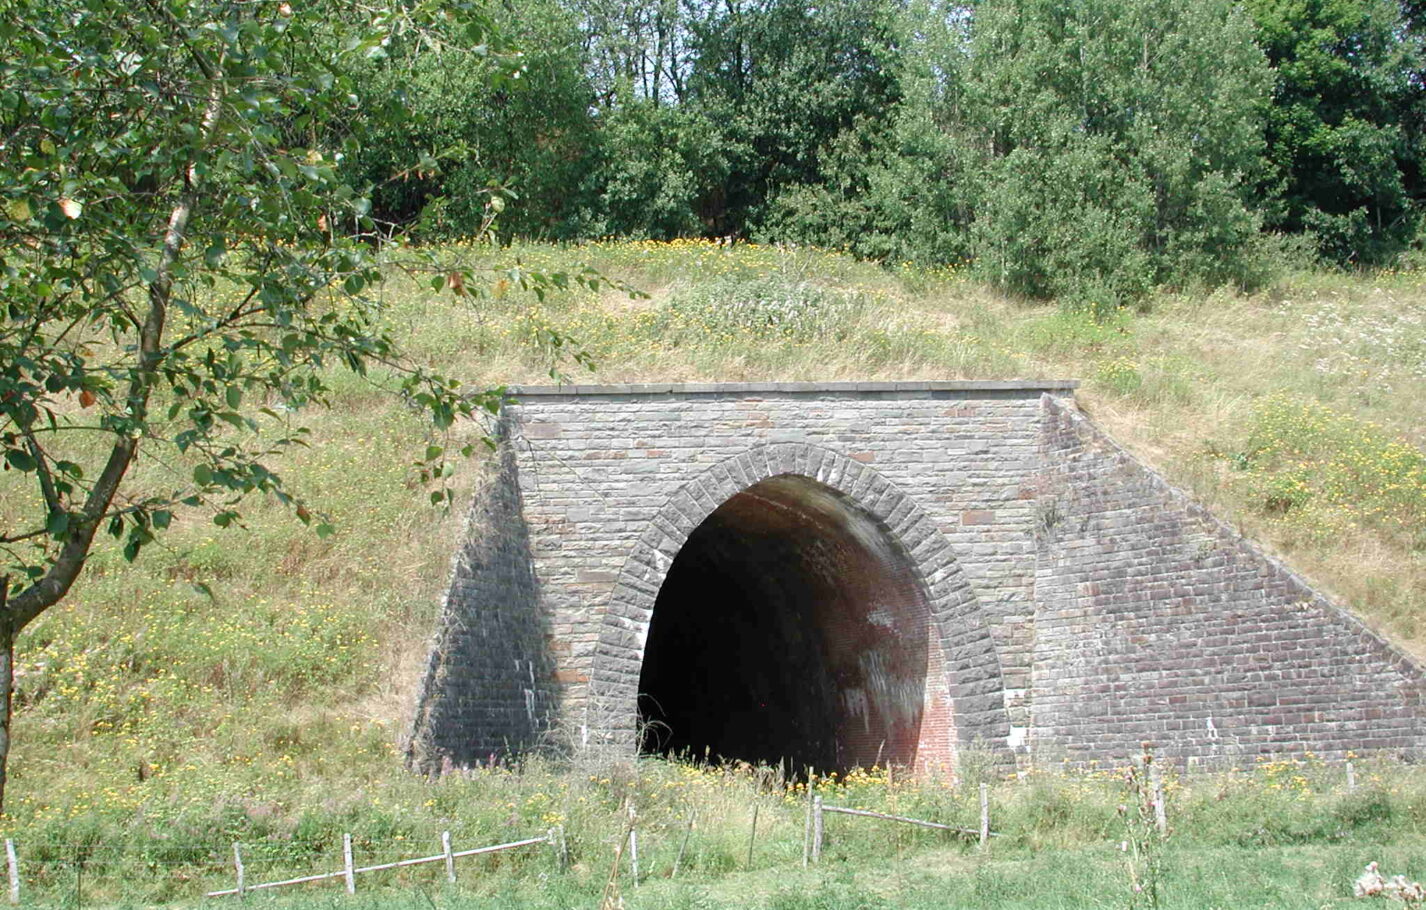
x=752 y=835
x=816 y=829
x=687 y=832
x=1161 y=819
x=347 y=855
x=450 y=857
x=984 y=814
x=633 y=851
x=242 y=872
x=807 y=823
x=13 y=864
x=554 y=836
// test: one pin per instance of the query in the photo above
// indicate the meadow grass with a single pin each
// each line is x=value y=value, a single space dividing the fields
x=159 y=721
x=1283 y=833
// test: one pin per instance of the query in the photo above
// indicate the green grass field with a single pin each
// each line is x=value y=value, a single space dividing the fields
x=1281 y=878
x=158 y=723
x=1276 y=834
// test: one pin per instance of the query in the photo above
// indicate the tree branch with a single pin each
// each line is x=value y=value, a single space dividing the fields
x=56 y=582
x=42 y=468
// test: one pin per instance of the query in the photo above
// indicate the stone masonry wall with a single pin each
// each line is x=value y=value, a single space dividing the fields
x=489 y=687
x=1155 y=622
x=1113 y=610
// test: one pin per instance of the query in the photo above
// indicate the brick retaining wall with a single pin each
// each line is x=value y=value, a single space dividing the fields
x=1079 y=605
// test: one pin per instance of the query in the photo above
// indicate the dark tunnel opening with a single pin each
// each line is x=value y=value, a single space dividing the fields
x=790 y=628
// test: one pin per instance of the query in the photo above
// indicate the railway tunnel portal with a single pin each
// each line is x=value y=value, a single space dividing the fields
x=842 y=574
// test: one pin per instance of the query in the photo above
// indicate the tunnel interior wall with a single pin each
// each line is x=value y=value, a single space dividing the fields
x=790 y=629
x=1158 y=623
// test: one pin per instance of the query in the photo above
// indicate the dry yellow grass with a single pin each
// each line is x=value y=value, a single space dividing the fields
x=1180 y=383
x=147 y=706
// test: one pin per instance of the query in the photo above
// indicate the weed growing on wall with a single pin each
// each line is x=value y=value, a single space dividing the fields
x=1143 y=842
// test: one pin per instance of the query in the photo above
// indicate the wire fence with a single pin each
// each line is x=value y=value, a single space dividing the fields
x=183 y=869
x=189 y=869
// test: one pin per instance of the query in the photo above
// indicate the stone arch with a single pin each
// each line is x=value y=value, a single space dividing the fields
x=965 y=650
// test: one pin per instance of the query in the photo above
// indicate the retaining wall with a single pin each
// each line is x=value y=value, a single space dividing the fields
x=1079 y=605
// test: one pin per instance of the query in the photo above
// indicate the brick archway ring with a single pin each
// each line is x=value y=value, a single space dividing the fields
x=958 y=626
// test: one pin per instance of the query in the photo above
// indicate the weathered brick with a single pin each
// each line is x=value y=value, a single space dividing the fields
x=1115 y=609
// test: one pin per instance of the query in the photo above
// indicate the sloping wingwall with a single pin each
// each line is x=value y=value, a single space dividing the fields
x=1156 y=622
x=1077 y=605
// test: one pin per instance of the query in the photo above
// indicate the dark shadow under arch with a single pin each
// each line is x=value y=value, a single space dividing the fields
x=790 y=628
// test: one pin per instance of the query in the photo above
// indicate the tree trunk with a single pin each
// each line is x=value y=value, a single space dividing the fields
x=7 y=684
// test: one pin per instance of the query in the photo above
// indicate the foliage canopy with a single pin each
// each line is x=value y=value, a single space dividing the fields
x=187 y=246
x=1087 y=151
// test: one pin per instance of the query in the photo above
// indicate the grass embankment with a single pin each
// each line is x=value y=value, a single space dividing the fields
x=160 y=722
x=1278 y=834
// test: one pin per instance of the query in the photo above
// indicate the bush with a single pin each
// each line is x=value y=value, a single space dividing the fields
x=1108 y=169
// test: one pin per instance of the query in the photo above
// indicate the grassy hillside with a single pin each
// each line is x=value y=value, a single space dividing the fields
x=158 y=723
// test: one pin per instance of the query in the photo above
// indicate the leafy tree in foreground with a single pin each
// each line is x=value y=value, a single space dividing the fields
x=182 y=257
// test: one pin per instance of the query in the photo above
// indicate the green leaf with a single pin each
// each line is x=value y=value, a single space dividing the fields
x=325 y=530
x=20 y=460
x=234 y=396
x=202 y=475
x=58 y=524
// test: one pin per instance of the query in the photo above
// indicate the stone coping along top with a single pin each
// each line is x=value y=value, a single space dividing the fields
x=899 y=388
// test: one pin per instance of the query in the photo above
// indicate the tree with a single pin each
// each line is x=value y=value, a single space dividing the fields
x=531 y=138
x=784 y=79
x=184 y=254
x=661 y=170
x=1121 y=142
x=637 y=48
x=894 y=185
x=1341 y=125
